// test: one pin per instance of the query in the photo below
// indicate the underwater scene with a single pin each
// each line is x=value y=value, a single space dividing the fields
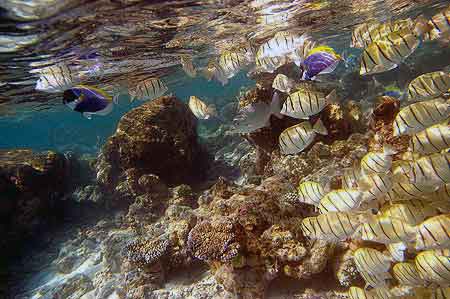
x=224 y=149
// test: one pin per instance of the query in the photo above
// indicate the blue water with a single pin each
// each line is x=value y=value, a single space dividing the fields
x=62 y=129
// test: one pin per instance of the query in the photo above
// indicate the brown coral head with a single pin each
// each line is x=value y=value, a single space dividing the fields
x=216 y=240
x=144 y=252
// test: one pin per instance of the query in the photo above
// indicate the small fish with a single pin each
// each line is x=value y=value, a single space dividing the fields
x=306 y=102
x=431 y=140
x=437 y=27
x=361 y=34
x=388 y=52
x=378 y=162
x=385 y=230
x=405 y=191
x=310 y=193
x=256 y=116
x=434 y=233
x=319 y=63
x=296 y=138
x=56 y=78
x=412 y=211
x=406 y=274
x=432 y=170
x=441 y=293
x=341 y=200
x=333 y=226
x=283 y=83
x=428 y=86
x=88 y=100
x=371 y=261
x=230 y=63
x=397 y=251
x=200 y=109
x=148 y=89
x=282 y=44
x=350 y=176
x=434 y=266
x=188 y=66
x=418 y=116
x=376 y=185
x=269 y=64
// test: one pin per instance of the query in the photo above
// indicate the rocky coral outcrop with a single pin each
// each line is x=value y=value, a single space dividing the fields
x=156 y=138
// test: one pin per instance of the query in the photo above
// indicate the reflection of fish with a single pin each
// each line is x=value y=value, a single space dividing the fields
x=148 y=89
x=341 y=200
x=387 y=53
x=269 y=64
x=418 y=116
x=434 y=233
x=200 y=109
x=306 y=102
x=428 y=86
x=437 y=27
x=310 y=193
x=256 y=116
x=188 y=66
x=296 y=138
x=377 y=162
x=88 y=100
x=434 y=266
x=333 y=226
x=56 y=78
x=431 y=140
x=406 y=274
x=283 y=43
x=282 y=83
x=365 y=34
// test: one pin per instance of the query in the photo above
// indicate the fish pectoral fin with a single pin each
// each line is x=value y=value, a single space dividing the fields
x=87 y=115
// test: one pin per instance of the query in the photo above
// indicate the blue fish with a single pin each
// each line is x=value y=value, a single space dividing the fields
x=319 y=63
x=88 y=100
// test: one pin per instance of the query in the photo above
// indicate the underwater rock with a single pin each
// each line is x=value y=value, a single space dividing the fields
x=216 y=240
x=245 y=283
x=32 y=185
x=144 y=252
x=159 y=138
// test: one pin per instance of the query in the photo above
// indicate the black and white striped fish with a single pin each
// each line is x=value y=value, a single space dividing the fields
x=385 y=230
x=412 y=211
x=406 y=274
x=148 y=89
x=283 y=83
x=378 y=162
x=432 y=170
x=434 y=233
x=310 y=193
x=306 y=102
x=428 y=86
x=341 y=200
x=434 y=266
x=296 y=138
x=56 y=78
x=431 y=140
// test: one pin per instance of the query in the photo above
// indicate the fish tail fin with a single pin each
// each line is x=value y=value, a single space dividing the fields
x=332 y=97
x=320 y=128
x=389 y=150
x=275 y=105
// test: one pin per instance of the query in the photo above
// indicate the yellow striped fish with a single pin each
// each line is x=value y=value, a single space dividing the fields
x=200 y=109
x=442 y=194
x=431 y=140
x=434 y=266
x=407 y=274
x=296 y=138
x=385 y=230
x=377 y=162
x=188 y=66
x=148 y=89
x=441 y=293
x=401 y=170
x=231 y=63
x=411 y=212
x=56 y=78
x=438 y=26
x=377 y=280
x=428 y=86
x=269 y=64
x=341 y=200
x=406 y=191
x=310 y=193
x=283 y=83
x=367 y=33
x=306 y=102
x=282 y=44
x=372 y=261
x=350 y=176
x=333 y=226
x=418 y=116
x=434 y=233
x=397 y=251
x=375 y=185
x=386 y=53
x=432 y=170
x=359 y=293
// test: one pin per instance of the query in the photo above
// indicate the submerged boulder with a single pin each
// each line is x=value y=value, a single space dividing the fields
x=159 y=138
